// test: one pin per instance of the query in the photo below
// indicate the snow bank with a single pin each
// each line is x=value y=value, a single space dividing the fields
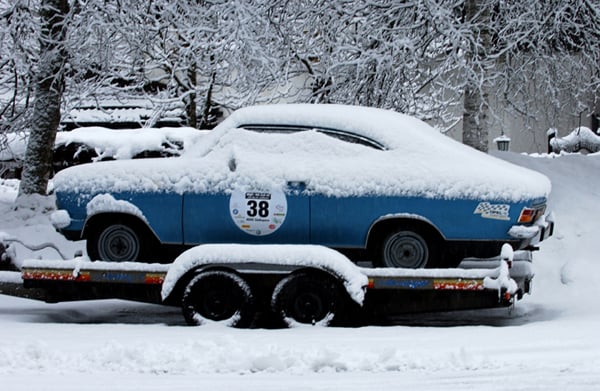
x=419 y=161
x=567 y=266
x=285 y=255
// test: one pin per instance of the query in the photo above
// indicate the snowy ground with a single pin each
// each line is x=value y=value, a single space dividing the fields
x=550 y=340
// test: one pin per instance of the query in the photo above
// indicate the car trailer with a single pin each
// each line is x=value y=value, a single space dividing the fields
x=284 y=285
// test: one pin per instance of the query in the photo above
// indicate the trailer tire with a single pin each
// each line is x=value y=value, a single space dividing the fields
x=218 y=296
x=306 y=298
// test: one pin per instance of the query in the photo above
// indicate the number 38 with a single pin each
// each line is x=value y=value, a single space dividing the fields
x=258 y=208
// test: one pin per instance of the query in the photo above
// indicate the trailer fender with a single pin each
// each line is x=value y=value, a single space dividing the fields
x=280 y=257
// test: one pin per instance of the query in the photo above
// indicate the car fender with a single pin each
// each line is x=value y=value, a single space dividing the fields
x=104 y=205
x=402 y=216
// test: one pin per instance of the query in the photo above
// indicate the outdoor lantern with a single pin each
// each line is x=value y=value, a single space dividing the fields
x=503 y=141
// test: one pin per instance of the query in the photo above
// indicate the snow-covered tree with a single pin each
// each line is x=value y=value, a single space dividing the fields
x=551 y=57
x=201 y=49
x=446 y=61
x=18 y=55
x=48 y=90
x=363 y=52
x=479 y=63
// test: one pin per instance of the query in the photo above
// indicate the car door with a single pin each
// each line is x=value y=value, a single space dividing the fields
x=247 y=215
x=251 y=209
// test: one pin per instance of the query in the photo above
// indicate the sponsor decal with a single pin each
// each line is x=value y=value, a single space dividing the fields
x=403 y=283
x=154 y=278
x=118 y=276
x=458 y=284
x=258 y=212
x=57 y=275
x=493 y=211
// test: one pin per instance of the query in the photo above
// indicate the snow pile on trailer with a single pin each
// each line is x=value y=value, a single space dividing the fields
x=293 y=255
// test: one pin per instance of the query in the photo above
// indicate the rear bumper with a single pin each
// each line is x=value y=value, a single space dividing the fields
x=521 y=269
x=531 y=235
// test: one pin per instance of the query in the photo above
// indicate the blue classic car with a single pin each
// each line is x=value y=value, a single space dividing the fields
x=377 y=185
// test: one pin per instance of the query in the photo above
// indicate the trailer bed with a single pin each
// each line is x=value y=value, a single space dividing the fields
x=389 y=292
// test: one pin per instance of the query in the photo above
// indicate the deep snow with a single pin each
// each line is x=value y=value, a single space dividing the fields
x=549 y=341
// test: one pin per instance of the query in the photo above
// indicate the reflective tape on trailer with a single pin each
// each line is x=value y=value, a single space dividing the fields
x=113 y=276
x=425 y=283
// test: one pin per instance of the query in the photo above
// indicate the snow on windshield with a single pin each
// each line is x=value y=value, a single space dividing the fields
x=419 y=162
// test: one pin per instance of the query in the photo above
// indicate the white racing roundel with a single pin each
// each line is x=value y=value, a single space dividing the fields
x=258 y=212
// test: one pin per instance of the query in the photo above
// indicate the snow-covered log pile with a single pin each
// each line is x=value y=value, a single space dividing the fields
x=580 y=139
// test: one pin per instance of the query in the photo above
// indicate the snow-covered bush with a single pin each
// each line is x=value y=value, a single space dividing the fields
x=581 y=139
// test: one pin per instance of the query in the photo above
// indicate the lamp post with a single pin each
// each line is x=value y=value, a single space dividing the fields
x=502 y=142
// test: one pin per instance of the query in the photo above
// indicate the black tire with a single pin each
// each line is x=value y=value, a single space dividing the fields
x=118 y=242
x=218 y=296
x=306 y=298
x=406 y=249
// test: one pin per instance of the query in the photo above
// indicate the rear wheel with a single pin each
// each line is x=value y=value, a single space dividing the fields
x=406 y=249
x=118 y=242
x=306 y=298
x=218 y=296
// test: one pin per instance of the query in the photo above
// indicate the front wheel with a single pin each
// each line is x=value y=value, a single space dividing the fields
x=218 y=296
x=406 y=249
x=115 y=243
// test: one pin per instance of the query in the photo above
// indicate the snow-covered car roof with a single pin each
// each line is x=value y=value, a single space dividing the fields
x=387 y=127
x=419 y=161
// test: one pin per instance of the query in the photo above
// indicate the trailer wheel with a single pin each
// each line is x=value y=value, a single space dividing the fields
x=218 y=296
x=306 y=298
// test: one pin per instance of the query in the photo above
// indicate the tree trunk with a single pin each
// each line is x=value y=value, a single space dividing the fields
x=475 y=119
x=475 y=106
x=205 y=124
x=48 y=93
x=190 y=106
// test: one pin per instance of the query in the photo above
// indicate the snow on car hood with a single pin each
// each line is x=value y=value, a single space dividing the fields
x=419 y=161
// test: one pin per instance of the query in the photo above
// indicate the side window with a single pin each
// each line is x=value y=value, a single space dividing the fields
x=338 y=134
x=263 y=128
x=352 y=138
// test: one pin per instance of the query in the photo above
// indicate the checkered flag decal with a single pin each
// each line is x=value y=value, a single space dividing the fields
x=493 y=211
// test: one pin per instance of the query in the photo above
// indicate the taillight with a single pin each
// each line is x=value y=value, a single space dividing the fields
x=529 y=215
